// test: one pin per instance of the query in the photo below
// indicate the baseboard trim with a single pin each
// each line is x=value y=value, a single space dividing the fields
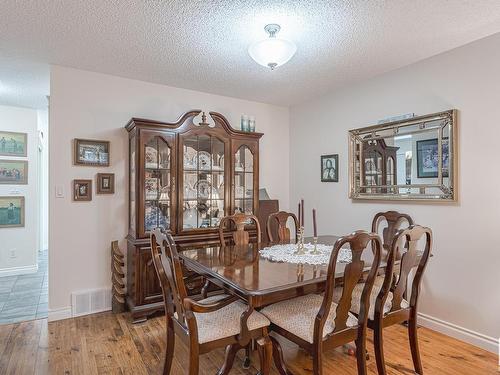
x=471 y=337
x=60 y=314
x=17 y=271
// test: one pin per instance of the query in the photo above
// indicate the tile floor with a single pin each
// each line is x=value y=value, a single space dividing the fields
x=25 y=297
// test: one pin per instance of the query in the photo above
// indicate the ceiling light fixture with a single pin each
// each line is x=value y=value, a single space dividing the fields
x=273 y=51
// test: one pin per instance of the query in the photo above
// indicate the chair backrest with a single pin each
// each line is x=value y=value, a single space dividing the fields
x=413 y=257
x=358 y=243
x=168 y=268
x=239 y=236
x=394 y=221
x=283 y=232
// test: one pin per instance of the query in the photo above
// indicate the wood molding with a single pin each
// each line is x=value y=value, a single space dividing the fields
x=469 y=336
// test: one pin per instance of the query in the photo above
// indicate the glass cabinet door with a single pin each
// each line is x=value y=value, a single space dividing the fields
x=203 y=176
x=243 y=181
x=157 y=181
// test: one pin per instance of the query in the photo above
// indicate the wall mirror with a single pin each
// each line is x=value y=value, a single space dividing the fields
x=411 y=159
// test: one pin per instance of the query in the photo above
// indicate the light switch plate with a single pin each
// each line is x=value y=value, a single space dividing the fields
x=59 y=191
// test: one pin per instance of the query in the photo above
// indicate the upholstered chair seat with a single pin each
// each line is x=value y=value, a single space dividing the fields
x=225 y=322
x=356 y=298
x=297 y=316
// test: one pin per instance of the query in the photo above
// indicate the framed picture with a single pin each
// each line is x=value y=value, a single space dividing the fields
x=13 y=144
x=13 y=172
x=91 y=152
x=105 y=183
x=11 y=212
x=427 y=158
x=82 y=190
x=330 y=168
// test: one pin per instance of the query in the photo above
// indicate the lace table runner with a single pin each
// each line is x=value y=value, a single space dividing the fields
x=285 y=253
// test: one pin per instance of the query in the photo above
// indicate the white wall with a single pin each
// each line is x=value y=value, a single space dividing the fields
x=461 y=285
x=97 y=106
x=22 y=240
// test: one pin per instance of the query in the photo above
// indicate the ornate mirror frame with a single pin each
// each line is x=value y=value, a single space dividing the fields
x=374 y=150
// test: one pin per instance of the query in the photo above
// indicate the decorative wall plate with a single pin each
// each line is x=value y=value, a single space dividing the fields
x=204 y=187
x=204 y=160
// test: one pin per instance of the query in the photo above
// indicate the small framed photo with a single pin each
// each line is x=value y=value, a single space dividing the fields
x=82 y=190
x=105 y=183
x=13 y=172
x=330 y=168
x=91 y=152
x=13 y=144
x=11 y=212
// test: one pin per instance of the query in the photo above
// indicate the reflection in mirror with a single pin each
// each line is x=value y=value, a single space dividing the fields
x=412 y=159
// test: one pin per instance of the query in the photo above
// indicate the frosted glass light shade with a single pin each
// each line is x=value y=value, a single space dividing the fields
x=272 y=52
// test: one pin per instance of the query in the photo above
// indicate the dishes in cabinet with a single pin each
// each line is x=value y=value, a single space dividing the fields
x=151 y=188
x=153 y=217
x=204 y=160
x=151 y=157
x=204 y=188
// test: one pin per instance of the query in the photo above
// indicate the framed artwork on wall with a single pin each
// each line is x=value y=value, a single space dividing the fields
x=427 y=158
x=13 y=172
x=91 y=152
x=82 y=190
x=105 y=183
x=11 y=212
x=330 y=168
x=13 y=144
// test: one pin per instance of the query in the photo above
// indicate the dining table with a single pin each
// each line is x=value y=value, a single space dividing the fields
x=241 y=271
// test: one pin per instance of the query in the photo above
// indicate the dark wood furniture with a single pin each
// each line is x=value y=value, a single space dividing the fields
x=282 y=232
x=330 y=331
x=118 y=293
x=238 y=235
x=183 y=312
x=395 y=285
x=266 y=208
x=379 y=164
x=393 y=222
x=258 y=281
x=184 y=177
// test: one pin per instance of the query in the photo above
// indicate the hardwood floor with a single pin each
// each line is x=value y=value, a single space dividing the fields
x=111 y=344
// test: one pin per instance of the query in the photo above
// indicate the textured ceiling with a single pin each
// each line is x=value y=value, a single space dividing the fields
x=202 y=45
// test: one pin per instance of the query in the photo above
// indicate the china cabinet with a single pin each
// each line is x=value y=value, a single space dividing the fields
x=379 y=161
x=184 y=176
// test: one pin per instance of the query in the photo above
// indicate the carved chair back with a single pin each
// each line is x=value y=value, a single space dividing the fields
x=239 y=236
x=283 y=232
x=358 y=242
x=414 y=257
x=168 y=267
x=394 y=221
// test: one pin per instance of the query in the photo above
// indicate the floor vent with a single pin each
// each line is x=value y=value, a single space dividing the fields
x=90 y=301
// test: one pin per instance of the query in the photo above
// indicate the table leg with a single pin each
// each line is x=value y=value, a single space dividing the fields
x=244 y=337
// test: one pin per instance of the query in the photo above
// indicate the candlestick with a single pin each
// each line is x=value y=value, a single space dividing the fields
x=315 y=229
x=302 y=222
x=315 y=250
x=300 y=242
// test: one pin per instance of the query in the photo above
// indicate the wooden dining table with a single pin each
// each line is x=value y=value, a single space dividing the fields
x=241 y=271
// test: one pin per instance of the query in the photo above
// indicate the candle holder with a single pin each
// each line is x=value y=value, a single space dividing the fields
x=300 y=242
x=315 y=251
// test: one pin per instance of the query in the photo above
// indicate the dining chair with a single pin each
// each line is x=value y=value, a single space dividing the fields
x=283 y=232
x=206 y=324
x=388 y=305
x=393 y=222
x=239 y=236
x=315 y=322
